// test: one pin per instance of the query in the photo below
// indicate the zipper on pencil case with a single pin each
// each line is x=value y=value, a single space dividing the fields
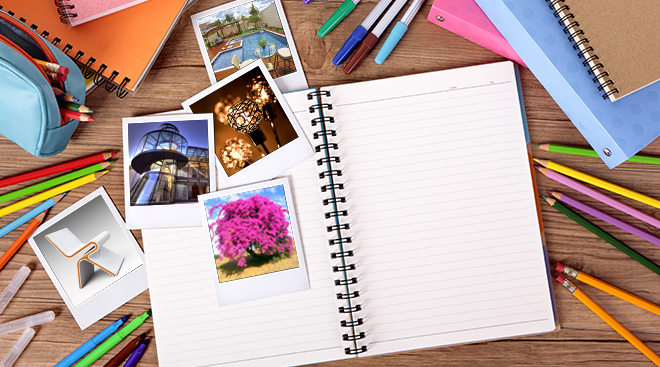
x=39 y=42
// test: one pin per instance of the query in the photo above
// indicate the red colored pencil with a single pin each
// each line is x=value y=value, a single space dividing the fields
x=4 y=259
x=75 y=115
x=76 y=163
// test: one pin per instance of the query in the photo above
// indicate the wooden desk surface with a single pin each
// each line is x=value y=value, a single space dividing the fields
x=179 y=73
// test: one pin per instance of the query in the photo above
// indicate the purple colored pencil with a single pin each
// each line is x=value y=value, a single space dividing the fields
x=556 y=176
x=137 y=353
x=606 y=217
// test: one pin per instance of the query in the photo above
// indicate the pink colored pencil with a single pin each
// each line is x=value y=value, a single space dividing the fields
x=606 y=217
x=598 y=196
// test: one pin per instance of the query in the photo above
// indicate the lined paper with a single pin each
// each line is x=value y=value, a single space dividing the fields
x=442 y=208
x=444 y=225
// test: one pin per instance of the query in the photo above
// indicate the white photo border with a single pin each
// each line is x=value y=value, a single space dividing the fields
x=265 y=285
x=117 y=293
x=170 y=215
x=278 y=161
x=287 y=83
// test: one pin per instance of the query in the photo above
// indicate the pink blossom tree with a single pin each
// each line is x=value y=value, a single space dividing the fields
x=255 y=226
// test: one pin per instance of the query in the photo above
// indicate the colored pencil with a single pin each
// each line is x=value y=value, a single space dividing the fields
x=50 y=193
x=593 y=306
x=4 y=259
x=52 y=67
x=598 y=196
x=63 y=96
x=565 y=149
x=606 y=217
x=61 y=167
x=75 y=115
x=54 y=181
x=608 y=288
x=29 y=215
x=75 y=107
x=600 y=183
x=604 y=235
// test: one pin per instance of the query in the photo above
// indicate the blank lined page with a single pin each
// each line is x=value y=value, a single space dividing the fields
x=291 y=329
x=442 y=208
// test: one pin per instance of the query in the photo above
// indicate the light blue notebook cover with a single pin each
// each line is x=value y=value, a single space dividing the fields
x=623 y=127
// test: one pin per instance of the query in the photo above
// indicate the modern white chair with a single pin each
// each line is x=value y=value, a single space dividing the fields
x=238 y=64
x=88 y=254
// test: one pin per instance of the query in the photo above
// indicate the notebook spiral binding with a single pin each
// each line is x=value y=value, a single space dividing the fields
x=64 y=10
x=88 y=71
x=336 y=217
x=581 y=44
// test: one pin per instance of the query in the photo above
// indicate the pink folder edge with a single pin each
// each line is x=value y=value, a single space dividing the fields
x=466 y=19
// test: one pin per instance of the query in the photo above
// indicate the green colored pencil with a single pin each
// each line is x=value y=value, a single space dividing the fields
x=556 y=148
x=602 y=234
x=54 y=181
x=74 y=107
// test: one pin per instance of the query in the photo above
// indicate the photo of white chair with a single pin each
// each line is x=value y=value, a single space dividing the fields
x=87 y=254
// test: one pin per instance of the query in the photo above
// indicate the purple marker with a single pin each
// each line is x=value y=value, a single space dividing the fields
x=137 y=353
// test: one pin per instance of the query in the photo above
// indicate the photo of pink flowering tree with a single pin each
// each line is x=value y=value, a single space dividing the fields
x=251 y=234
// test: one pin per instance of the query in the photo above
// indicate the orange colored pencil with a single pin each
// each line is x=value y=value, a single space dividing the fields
x=608 y=288
x=4 y=259
x=593 y=306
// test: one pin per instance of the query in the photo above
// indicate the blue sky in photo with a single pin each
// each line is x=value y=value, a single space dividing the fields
x=237 y=11
x=274 y=193
x=195 y=131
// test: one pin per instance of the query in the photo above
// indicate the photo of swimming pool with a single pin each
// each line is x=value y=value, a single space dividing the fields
x=245 y=52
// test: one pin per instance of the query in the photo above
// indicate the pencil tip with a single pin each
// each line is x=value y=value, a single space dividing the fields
x=149 y=312
x=42 y=216
x=556 y=194
x=58 y=197
x=537 y=145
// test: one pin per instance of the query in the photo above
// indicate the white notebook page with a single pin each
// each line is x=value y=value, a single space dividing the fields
x=442 y=207
x=291 y=329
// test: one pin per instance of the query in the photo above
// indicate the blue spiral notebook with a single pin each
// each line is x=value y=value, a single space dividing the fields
x=616 y=130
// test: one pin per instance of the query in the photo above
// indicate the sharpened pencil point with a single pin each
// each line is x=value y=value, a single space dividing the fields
x=108 y=155
x=556 y=194
x=545 y=147
x=58 y=197
x=106 y=164
x=41 y=216
x=100 y=173
x=543 y=162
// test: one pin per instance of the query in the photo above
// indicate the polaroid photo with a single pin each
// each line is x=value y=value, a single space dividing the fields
x=92 y=258
x=254 y=247
x=238 y=33
x=257 y=135
x=166 y=166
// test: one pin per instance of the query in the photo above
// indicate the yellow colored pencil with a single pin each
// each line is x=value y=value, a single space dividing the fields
x=600 y=183
x=50 y=193
x=608 y=288
x=593 y=306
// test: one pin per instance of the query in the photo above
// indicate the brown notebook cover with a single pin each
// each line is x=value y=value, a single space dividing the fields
x=618 y=40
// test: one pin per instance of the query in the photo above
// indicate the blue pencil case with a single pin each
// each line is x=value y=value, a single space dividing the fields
x=30 y=113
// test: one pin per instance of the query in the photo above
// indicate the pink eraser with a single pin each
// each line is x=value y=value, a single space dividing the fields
x=466 y=19
x=560 y=267
x=561 y=278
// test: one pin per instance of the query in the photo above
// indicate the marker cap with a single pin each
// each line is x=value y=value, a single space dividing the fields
x=361 y=52
x=398 y=31
x=352 y=41
x=344 y=9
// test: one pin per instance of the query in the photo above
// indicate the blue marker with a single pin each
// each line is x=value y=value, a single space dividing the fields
x=91 y=343
x=359 y=32
x=398 y=31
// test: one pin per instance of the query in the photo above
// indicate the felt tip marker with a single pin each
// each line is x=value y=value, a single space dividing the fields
x=344 y=9
x=372 y=38
x=398 y=31
x=91 y=343
x=359 y=32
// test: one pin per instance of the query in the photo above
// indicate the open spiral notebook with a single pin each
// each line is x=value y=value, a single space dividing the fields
x=433 y=235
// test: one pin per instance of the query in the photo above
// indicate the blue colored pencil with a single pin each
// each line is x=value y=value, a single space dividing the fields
x=29 y=215
x=91 y=343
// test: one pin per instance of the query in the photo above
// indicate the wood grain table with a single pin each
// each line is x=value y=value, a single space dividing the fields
x=179 y=73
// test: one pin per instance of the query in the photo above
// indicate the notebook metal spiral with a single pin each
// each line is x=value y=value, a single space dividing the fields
x=64 y=11
x=99 y=79
x=336 y=224
x=571 y=26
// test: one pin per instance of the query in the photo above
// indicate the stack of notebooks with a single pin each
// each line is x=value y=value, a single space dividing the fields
x=117 y=49
x=441 y=242
x=598 y=61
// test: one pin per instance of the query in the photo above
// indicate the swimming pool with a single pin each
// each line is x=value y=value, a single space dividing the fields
x=250 y=42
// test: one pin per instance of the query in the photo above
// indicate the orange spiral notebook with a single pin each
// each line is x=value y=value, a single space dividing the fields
x=120 y=47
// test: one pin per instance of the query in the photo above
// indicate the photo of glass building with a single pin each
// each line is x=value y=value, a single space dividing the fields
x=165 y=169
